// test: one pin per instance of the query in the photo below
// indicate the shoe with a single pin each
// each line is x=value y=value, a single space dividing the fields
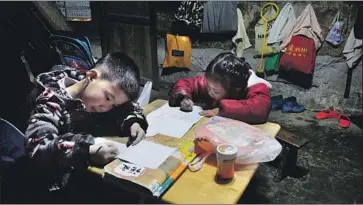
x=276 y=102
x=291 y=106
x=344 y=121
x=326 y=114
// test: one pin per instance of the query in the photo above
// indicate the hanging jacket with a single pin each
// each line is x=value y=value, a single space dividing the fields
x=353 y=49
x=190 y=13
x=358 y=30
x=283 y=23
x=219 y=17
x=306 y=25
x=241 y=39
x=260 y=34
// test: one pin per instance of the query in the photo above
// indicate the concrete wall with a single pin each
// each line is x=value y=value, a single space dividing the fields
x=330 y=71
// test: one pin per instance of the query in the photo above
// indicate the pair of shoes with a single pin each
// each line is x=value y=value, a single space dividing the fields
x=343 y=120
x=286 y=105
x=290 y=105
x=276 y=102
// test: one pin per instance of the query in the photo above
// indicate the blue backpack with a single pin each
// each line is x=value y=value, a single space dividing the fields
x=62 y=47
x=73 y=50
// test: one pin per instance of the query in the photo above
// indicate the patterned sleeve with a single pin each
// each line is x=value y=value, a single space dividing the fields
x=135 y=115
x=50 y=151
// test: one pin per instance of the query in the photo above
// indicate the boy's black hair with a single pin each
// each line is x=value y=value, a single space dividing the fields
x=119 y=68
x=229 y=70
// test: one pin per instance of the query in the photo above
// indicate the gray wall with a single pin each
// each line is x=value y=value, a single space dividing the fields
x=330 y=71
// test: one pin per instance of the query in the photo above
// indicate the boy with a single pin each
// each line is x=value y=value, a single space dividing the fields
x=229 y=88
x=72 y=108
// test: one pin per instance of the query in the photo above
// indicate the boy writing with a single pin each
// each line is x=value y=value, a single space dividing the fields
x=73 y=107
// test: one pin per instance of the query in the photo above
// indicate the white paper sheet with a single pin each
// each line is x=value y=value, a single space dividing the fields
x=146 y=154
x=172 y=121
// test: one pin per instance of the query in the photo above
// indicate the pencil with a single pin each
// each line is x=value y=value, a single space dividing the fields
x=174 y=175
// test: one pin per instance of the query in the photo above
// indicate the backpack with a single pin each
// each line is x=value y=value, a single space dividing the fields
x=62 y=47
x=73 y=50
x=298 y=61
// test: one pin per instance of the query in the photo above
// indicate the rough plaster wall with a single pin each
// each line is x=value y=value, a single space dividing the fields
x=324 y=10
x=329 y=80
x=330 y=70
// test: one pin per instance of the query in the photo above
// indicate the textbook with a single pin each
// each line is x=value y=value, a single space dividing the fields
x=158 y=174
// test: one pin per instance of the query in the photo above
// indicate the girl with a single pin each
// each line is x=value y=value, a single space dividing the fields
x=229 y=88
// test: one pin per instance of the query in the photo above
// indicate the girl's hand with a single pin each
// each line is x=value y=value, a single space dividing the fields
x=186 y=104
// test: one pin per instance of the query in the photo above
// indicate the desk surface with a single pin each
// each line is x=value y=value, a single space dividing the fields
x=200 y=187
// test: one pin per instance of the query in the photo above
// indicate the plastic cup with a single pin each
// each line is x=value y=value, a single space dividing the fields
x=226 y=157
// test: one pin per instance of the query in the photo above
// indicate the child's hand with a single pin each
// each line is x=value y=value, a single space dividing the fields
x=210 y=113
x=137 y=134
x=186 y=104
x=101 y=154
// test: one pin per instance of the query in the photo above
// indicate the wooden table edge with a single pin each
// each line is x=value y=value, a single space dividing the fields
x=148 y=109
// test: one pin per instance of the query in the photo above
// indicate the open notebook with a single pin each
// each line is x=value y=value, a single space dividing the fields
x=145 y=154
x=171 y=121
x=153 y=164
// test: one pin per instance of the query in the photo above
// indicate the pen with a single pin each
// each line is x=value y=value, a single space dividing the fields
x=130 y=141
x=174 y=175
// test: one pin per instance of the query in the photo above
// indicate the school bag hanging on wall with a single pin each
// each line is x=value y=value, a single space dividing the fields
x=178 y=53
x=73 y=50
x=299 y=49
x=335 y=35
x=298 y=61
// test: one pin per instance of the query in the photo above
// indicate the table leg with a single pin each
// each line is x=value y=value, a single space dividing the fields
x=287 y=165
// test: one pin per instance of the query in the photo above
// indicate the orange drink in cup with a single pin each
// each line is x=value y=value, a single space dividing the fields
x=226 y=157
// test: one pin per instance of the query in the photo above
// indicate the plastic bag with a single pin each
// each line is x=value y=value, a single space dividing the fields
x=178 y=52
x=335 y=35
x=254 y=145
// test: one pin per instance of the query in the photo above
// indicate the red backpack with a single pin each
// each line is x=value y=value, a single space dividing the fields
x=298 y=61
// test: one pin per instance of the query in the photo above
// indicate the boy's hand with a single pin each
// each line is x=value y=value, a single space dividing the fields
x=210 y=113
x=186 y=104
x=101 y=154
x=137 y=134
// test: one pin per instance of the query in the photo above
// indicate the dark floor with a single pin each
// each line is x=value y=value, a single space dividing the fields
x=333 y=157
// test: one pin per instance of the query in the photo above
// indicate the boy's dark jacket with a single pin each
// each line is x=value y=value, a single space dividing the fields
x=60 y=131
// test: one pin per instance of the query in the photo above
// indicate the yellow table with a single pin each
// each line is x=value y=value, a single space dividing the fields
x=200 y=187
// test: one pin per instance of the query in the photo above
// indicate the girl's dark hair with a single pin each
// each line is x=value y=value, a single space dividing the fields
x=229 y=70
